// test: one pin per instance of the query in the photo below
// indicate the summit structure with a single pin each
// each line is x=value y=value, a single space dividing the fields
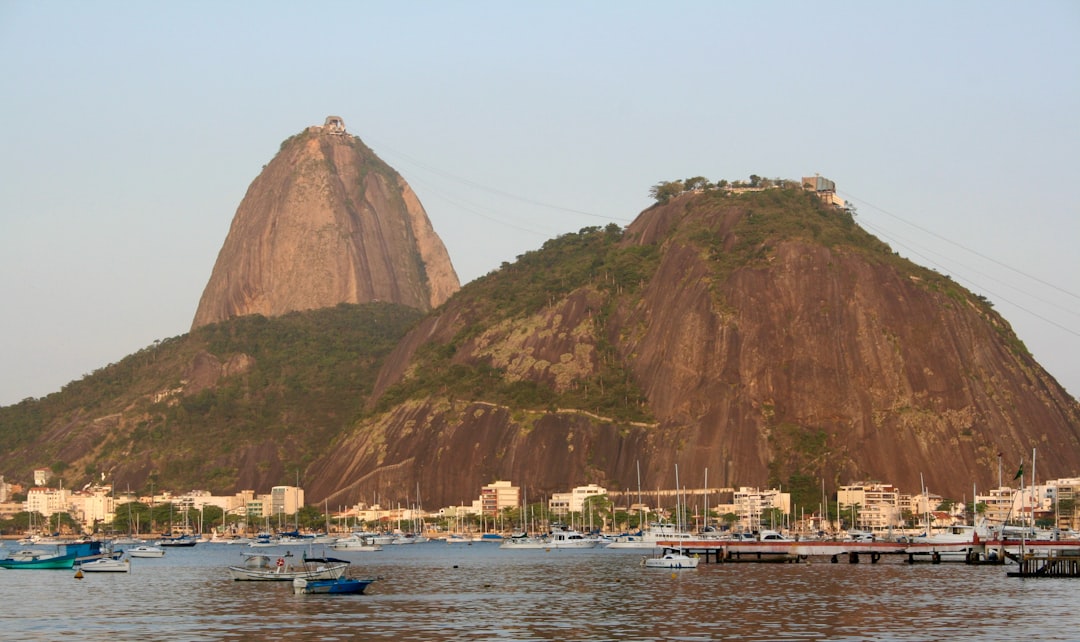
x=326 y=222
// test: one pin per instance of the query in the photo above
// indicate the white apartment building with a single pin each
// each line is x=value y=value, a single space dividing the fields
x=93 y=505
x=876 y=506
x=286 y=500
x=574 y=501
x=48 y=501
x=751 y=502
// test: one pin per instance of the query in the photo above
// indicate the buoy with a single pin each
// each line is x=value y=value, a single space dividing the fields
x=78 y=574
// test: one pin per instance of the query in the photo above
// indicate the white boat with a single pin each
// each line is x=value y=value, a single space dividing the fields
x=524 y=541
x=106 y=565
x=458 y=538
x=409 y=538
x=952 y=536
x=958 y=534
x=260 y=567
x=355 y=543
x=772 y=536
x=671 y=559
x=652 y=536
x=563 y=537
x=146 y=551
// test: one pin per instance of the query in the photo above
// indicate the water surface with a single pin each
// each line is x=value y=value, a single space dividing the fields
x=437 y=591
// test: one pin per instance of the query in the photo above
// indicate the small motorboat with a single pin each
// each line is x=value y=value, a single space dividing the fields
x=341 y=585
x=260 y=567
x=146 y=551
x=671 y=559
x=106 y=565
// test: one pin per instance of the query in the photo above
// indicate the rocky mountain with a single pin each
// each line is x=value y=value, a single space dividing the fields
x=326 y=222
x=763 y=336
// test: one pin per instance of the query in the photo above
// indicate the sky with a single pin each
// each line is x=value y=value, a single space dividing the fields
x=130 y=131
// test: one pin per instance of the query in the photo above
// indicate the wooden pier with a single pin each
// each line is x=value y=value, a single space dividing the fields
x=1052 y=566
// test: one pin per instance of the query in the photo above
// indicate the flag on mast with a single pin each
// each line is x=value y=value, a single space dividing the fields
x=1020 y=473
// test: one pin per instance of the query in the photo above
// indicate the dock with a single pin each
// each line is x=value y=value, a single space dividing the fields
x=1047 y=566
x=979 y=552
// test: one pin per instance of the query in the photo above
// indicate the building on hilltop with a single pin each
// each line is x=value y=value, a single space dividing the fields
x=823 y=188
x=334 y=125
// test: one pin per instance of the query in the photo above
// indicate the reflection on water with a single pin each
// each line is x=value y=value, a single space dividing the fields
x=441 y=592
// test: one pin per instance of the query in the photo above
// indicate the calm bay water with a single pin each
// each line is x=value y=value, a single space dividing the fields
x=437 y=591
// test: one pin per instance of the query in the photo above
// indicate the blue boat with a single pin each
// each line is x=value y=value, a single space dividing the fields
x=38 y=559
x=340 y=585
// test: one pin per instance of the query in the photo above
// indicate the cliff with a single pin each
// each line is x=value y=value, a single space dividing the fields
x=764 y=337
x=326 y=222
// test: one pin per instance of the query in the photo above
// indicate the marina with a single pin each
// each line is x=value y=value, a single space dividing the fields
x=432 y=591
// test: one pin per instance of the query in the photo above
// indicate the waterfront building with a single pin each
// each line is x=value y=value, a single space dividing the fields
x=286 y=500
x=497 y=496
x=93 y=505
x=875 y=506
x=47 y=501
x=574 y=502
x=750 y=503
x=1066 y=493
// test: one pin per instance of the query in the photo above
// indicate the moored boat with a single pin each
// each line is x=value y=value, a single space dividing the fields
x=652 y=536
x=356 y=543
x=341 y=585
x=261 y=567
x=106 y=565
x=181 y=541
x=524 y=541
x=563 y=537
x=671 y=559
x=146 y=551
x=38 y=559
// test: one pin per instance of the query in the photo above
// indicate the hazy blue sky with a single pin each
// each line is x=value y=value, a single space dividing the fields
x=131 y=131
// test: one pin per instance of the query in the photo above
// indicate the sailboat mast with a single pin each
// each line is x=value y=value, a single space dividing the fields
x=1033 y=498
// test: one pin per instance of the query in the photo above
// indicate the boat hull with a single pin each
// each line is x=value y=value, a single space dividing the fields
x=672 y=561
x=258 y=570
x=48 y=562
x=106 y=565
x=340 y=586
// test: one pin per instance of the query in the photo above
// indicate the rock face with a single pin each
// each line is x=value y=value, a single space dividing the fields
x=326 y=222
x=769 y=340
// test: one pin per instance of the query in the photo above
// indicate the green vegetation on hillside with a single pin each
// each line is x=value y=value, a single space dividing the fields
x=308 y=376
x=590 y=258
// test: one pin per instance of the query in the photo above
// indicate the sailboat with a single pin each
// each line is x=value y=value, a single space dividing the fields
x=673 y=558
